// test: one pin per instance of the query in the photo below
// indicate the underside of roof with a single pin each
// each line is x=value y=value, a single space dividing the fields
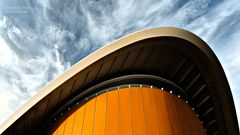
x=173 y=54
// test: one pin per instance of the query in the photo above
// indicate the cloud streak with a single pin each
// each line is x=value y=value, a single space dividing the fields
x=49 y=36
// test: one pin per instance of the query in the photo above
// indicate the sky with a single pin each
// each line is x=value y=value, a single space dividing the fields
x=40 y=39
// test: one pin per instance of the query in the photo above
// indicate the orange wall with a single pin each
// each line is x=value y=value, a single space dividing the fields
x=135 y=110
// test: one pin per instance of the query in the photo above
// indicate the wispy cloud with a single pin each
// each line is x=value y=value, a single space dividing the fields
x=220 y=28
x=43 y=41
x=26 y=66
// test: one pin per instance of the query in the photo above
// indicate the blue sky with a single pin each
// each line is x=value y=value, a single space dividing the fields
x=41 y=39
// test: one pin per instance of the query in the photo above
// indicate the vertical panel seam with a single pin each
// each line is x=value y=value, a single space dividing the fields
x=177 y=112
x=83 y=118
x=169 y=119
x=94 y=116
x=144 y=115
x=131 y=109
x=118 y=114
x=75 y=113
x=106 y=114
x=156 y=111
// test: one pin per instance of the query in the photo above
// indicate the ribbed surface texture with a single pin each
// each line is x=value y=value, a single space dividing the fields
x=135 y=110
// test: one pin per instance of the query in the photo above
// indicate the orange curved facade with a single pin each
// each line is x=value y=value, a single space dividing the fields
x=134 y=110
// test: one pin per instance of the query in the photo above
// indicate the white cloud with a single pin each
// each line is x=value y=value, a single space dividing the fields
x=3 y=23
x=7 y=57
x=44 y=3
x=6 y=108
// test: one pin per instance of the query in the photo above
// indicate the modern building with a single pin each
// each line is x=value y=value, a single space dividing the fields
x=158 y=81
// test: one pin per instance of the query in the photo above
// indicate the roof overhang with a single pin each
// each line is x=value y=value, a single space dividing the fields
x=171 y=53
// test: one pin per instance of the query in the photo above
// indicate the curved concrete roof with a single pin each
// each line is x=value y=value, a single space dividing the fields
x=174 y=54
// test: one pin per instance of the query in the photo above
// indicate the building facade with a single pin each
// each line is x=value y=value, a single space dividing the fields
x=157 y=81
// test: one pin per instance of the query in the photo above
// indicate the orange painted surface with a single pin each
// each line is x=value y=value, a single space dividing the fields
x=112 y=113
x=125 y=112
x=100 y=118
x=69 y=124
x=162 y=112
x=61 y=128
x=89 y=117
x=78 y=122
x=132 y=111
x=150 y=112
x=138 y=116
